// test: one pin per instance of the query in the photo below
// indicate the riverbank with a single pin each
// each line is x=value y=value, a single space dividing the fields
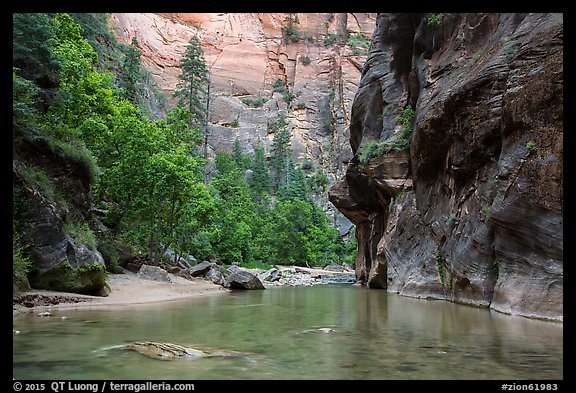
x=125 y=289
x=130 y=289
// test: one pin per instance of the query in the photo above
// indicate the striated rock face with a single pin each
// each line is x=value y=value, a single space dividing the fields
x=472 y=212
x=246 y=55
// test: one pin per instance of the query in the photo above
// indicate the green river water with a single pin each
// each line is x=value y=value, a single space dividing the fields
x=376 y=335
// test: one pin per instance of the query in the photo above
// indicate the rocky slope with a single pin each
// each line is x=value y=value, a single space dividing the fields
x=247 y=55
x=51 y=200
x=472 y=212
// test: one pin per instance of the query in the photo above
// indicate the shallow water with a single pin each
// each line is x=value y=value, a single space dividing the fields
x=371 y=334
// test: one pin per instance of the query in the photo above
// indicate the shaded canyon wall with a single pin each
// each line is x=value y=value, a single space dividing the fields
x=472 y=212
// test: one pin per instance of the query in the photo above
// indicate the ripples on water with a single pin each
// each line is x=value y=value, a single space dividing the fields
x=321 y=332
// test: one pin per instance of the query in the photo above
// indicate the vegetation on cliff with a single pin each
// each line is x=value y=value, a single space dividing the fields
x=146 y=176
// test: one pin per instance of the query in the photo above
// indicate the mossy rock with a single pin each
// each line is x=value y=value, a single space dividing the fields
x=20 y=282
x=87 y=279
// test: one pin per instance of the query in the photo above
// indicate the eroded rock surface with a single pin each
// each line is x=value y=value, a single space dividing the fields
x=472 y=211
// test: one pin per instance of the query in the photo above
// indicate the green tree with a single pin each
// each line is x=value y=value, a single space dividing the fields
x=155 y=177
x=32 y=44
x=96 y=32
x=281 y=153
x=132 y=71
x=318 y=182
x=234 y=202
x=260 y=185
x=191 y=90
x=83 y=91
x=300 y=234
x=241 y=158
x=293 y=185
x=24 y=99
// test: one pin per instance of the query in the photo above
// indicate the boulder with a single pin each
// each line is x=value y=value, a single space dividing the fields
x=19 y=282
x=154 y=273
x=236 y=277
x=270 y=275
x=215 y=275
x=201 y=268
x=334 y=267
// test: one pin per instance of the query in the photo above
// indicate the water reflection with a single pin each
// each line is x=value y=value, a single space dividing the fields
x=322 y=332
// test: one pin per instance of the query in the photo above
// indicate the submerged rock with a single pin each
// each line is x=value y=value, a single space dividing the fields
x=170 y=351
x=157 y=350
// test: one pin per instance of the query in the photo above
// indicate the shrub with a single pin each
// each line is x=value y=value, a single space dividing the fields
x=531 y=146
x=435 y=19
x=254 y=102
x=496 y=267
x=440 y=265
x=236 y=122
x=305 y=60
x=20 y=262
x=375 y=149
x=359 y=42
x=288 y=97
x=401 y=142
x=487 y=212
x=406 y=119
x=39 y=180
x=331 y=39
x=82 y=233
x=289 y=31
x=279 y=86
x=510 y=50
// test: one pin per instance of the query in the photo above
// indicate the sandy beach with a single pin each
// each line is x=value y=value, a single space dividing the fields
x=126 y=289
x=130 y=289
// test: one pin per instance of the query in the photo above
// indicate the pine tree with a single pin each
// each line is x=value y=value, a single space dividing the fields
x=281 y=153
x=194 y=81
x=260 y=175
x=131 y=71
x=242 y=160
x=293 y=185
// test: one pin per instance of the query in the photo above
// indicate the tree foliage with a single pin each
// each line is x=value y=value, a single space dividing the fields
x=32 y=46
x=149 y=173
x=191 y=89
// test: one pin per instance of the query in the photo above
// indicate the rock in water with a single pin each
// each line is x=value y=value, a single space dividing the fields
x=170 y=351
x=165 y=351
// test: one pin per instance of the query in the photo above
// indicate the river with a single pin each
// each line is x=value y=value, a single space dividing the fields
x=321 y=332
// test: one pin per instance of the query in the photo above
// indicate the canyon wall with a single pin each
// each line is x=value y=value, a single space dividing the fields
x=247 y=54
x=472 y=211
